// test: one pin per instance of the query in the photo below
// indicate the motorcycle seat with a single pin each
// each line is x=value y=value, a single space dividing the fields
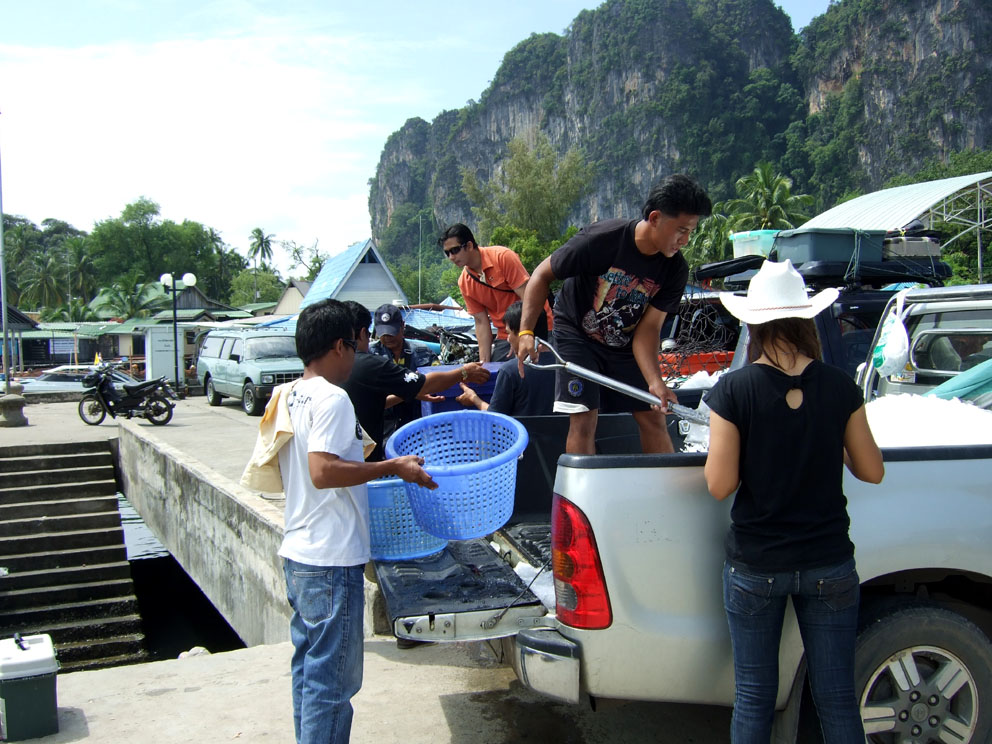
x=141 y=387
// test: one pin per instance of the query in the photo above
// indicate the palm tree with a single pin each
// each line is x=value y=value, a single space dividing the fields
x=77 y=311
x=80 y=268
x=710 y=241
x=43 y=281
x=261 y=245
x=765 y=202
x=125 y=300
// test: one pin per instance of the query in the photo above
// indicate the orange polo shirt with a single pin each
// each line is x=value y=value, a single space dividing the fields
x=501 y=270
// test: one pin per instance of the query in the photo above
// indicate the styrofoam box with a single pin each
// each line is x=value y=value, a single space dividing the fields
x=38 y=658
x=905 y=247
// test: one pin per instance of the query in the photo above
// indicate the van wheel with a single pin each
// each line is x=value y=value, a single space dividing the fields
x=250 y=402
x=924 y=674
x=213 y=397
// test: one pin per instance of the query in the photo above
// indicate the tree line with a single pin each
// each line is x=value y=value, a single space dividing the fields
x=67 y=274
x=525 y=208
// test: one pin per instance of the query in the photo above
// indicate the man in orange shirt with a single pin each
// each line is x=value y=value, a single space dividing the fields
x=492 y=279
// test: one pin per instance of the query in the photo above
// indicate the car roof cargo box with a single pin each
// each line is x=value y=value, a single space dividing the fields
x=827 y=244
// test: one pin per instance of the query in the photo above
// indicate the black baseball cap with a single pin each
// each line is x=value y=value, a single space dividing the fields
x=388 y=320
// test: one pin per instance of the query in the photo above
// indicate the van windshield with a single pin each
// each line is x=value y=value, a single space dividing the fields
x=270 y=347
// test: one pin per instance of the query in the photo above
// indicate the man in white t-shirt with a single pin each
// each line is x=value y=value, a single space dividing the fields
x=326 y=542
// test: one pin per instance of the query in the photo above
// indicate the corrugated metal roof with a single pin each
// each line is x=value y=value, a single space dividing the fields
x=56 y=333
x=891 y=209
x=333 y=273
x=337 y=269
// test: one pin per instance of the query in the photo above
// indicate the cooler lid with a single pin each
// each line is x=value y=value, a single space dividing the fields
x=34 y=656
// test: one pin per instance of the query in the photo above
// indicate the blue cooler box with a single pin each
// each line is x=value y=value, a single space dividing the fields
x=28 y=703
x=485 y=390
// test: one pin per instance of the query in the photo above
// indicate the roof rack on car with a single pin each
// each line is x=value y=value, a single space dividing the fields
x=737 y=272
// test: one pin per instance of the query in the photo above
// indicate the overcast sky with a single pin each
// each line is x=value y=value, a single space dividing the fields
x=239 y=113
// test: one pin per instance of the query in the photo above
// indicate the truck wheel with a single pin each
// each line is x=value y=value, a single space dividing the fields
x=924 y=674
x=250 y=402
x=213 y=397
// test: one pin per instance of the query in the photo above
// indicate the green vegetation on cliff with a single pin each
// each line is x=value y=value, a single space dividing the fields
x=870 y=90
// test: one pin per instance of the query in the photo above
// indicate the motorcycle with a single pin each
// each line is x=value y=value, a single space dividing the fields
x=150 y=400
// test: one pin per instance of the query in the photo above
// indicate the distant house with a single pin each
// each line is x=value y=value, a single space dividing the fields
x=258 y=309
x=17 y=324
x=358 y=273
x=292 y=297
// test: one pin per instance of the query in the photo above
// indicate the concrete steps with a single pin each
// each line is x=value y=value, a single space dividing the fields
x=62 y=546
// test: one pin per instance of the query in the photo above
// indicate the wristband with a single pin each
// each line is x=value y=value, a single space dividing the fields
x=464 y=374
x=525 y=333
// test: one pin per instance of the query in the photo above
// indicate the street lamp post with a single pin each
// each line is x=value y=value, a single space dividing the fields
x=169 y=284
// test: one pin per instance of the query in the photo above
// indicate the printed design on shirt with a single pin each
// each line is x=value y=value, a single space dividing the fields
x=617 y=307
x=358 y=430
x=410 y=376
x=296 y=398
x=574 y=387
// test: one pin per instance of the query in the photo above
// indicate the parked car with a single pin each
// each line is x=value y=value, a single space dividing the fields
x=68 y=378
x=949 y=330
x=246 y=364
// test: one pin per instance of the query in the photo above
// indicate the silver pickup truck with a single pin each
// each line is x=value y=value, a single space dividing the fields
x=636 y=547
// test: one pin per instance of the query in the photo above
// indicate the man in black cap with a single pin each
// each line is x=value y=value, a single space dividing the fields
x=375 y=380
x=392 y=345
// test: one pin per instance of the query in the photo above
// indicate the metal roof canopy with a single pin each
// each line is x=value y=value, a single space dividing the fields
x=948 y=200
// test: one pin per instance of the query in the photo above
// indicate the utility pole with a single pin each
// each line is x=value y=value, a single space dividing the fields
x=3 y=301
x=420 y=251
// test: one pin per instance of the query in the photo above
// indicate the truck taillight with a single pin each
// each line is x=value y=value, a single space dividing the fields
x=580 y=590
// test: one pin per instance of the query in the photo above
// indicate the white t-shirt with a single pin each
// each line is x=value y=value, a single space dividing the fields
x=324 y=526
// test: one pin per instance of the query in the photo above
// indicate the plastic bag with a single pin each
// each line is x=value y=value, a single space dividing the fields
x=892 y=351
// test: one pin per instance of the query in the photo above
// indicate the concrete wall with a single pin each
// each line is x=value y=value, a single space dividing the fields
x=224 y=536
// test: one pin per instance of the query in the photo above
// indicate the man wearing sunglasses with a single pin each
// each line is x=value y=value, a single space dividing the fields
x=621 y=279
x=492 y=279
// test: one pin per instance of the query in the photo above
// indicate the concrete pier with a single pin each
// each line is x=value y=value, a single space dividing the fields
x=444 y=693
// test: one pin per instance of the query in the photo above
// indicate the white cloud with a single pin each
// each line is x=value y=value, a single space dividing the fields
x=268 y=131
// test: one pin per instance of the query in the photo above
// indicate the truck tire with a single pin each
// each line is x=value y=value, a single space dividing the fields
x=923 y=673
x=213 y=397
x=250 y=402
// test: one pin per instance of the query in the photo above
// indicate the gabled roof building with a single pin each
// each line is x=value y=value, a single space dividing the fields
x=358 y=273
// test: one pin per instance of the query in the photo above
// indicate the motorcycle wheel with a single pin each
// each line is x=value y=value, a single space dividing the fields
x=158 y=410
x=91 y=410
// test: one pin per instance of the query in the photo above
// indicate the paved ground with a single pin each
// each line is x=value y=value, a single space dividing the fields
x=440 y=693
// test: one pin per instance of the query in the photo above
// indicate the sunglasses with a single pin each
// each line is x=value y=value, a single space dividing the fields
x=350 y=343
x=455 y=250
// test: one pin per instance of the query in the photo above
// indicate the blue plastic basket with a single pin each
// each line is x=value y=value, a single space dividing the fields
x=472 y=456
x=395 y=534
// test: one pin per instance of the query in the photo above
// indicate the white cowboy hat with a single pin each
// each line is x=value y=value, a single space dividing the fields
x=777 y=291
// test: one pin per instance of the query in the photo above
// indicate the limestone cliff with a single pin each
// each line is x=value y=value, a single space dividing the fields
x=919 y=71
x=710 y=87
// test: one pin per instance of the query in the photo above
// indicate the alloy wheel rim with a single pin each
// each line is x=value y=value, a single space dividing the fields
x=920 y=694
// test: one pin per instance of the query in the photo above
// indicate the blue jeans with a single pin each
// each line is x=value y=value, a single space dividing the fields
x=326 y=629
x=826 y=604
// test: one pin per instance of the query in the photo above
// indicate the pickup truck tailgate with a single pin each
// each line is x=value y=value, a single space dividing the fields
x=467 y=592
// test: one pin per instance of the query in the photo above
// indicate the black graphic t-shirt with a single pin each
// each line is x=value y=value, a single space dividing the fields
x=608 y=282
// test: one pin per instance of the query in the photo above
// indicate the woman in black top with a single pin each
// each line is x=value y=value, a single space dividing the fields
x=781 y=430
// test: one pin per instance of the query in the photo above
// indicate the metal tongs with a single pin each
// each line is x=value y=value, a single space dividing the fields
x=683 y=412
